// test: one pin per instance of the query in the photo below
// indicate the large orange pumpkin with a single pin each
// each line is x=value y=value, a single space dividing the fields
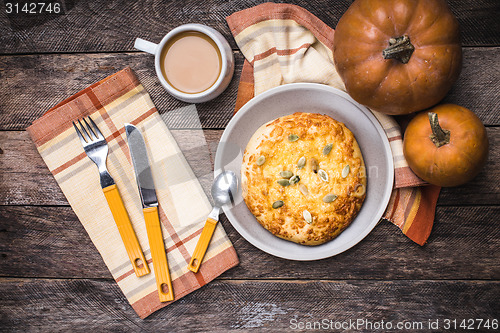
x=446 y=146
x=398 y=56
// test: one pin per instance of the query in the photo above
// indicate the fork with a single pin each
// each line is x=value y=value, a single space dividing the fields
x=96 y=148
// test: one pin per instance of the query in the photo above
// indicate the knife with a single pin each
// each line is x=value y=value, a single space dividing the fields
x=144 y=178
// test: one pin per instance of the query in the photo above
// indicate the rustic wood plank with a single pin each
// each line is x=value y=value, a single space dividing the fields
x=485 y=188
x=27 y=181
x=50 y=242
x=104 y=26
x=477 y=83
x=24 y=177
x=30 y=85
x=266 y=306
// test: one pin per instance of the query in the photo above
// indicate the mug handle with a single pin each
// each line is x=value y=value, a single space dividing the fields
x=145 y=46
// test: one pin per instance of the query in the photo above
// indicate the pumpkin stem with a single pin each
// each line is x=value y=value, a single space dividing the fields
x=399 y=48
x=439 y=136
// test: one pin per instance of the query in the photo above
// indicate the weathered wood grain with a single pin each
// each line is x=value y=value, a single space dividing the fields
x=25 y=180
x=30 y=85
x=485 y=188
x=104 y=26
x=479 y=83
x=51 y=242
x=224 y=306
x=23 y=173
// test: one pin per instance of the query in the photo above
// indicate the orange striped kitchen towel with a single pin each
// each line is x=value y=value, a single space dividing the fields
x=284 y=43
x=183 y=205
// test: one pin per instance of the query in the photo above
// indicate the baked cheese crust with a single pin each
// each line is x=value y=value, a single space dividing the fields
x=303 y=177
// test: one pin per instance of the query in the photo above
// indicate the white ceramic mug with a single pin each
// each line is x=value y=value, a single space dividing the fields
x=227 y=68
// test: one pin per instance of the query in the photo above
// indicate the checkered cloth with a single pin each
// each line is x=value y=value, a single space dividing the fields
x=284 y=43
x=112 y=102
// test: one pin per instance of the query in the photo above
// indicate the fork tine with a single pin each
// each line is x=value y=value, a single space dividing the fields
x=96 y=129
x=85 y=134
x=82 y=139
x=90 y=130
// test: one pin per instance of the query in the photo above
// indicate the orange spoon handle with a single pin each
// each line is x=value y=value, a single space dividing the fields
x=160 y=265
x=202 y=245
x=126 y=230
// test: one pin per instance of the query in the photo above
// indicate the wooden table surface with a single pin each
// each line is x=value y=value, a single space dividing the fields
x=53 y=279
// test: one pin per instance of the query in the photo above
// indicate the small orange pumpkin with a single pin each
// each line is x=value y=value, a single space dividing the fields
x=398 y=56
x=446 y=145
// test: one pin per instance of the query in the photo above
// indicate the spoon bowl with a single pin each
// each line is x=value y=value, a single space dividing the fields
x=224 y=188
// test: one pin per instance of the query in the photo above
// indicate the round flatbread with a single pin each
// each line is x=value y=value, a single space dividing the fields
x=303 y=177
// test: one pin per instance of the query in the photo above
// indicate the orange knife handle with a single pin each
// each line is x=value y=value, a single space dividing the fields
x=126 y=230
x=202 y=245
x=160 y=265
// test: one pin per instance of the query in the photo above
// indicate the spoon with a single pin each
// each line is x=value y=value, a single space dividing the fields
x=224 y=190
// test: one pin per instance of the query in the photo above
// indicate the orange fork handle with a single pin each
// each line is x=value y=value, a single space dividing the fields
x=202 y=245
x=126 y=230
x=160 y=265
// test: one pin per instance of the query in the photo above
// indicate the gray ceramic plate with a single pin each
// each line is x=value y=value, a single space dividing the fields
x=317 y=98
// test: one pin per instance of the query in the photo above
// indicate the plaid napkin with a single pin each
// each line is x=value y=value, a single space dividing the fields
x=112 y=102
x=284 y=43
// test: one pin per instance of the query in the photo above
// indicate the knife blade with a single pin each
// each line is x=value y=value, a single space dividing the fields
x=145 y=183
